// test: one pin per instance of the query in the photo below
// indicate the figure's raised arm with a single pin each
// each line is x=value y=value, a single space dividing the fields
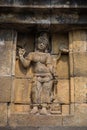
x=25 y=61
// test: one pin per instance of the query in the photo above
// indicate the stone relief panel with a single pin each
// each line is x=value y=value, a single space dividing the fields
x=40 y=81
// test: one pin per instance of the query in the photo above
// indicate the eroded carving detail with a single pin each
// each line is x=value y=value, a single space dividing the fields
x=45 y=78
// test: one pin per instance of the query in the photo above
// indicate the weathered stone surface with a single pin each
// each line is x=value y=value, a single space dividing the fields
x=21 y=91
x=20 y=71
x=42 y=2
x=72 y=90
x=63 y=18
x=6 y=48
x=78 y=41
x=5 y=89
x=72 y=109
x=80 y=89
x=80 y=64
x=69 y=2
x=64 y=3
x=14 y=51
x=34 y=120
x=71 y=64
x=59 y=41
x=65 y=110
x=15 y=108
x=63 y=91
x=63 y=67
x=25 y=41
x=30 y=18
x=3 y=114
x=79 y=118
x=5 y=62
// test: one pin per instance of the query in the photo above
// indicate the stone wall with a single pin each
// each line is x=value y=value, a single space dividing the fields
x=67 y=29
x=15 y=80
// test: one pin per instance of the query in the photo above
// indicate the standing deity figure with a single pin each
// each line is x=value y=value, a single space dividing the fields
x=44 y=74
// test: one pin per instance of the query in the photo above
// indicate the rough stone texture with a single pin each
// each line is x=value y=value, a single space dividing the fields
x=47 y=2
x=72 y=90
x=71 y=64
x=6 y=47
x=63 y=91
x=78 y=41
x=5 y=89
x=20 y=109
x=21 y=91
x=44 y=128
x=80 y=117
x=72 y=109
x=80 y=89
x=59 y=41
x=65 y=110
x=26 y=41
x=63 y=67
x=20 y=71
x=3 y=114
x=80 y=64
x=61 y=16
x=34 y=120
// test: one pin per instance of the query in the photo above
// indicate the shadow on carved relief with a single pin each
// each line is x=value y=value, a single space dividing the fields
x=43 y=76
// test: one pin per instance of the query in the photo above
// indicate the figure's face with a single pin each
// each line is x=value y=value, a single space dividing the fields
x=42 y=43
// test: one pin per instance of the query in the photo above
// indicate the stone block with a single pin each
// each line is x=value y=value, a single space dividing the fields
x=6 y=48
x=65 y=110
x=79 y=118
x=80 y=89
x=72 y=90
x=18 y=108
x=5 y=89
x=71 y=64
x=21 y=91
x=20 y=71
x=78 y=41
x=59 y=41
x=14 y=52
x=34 y=120
x=63 y=67
x=80 y=64
x=3 y=114
x=81 y=114
x=63 y=89
x=72 y=109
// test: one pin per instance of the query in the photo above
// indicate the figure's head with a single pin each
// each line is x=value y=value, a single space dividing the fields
x=42 y=42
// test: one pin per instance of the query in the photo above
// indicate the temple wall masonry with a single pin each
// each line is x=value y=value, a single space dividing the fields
x=67 y=32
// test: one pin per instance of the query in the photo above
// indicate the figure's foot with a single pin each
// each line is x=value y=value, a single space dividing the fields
x=34 y=110
x=44 y=111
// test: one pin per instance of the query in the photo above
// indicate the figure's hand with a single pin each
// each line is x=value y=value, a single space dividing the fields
x=21 y=52
x=64 y=50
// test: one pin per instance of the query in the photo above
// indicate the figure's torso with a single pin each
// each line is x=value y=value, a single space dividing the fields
x=39 y=60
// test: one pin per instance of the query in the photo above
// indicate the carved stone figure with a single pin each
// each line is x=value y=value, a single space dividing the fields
x=44 y=74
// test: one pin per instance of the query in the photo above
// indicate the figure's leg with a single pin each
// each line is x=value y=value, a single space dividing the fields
x=46 y=98
x=47 y=92
x=36 y=96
